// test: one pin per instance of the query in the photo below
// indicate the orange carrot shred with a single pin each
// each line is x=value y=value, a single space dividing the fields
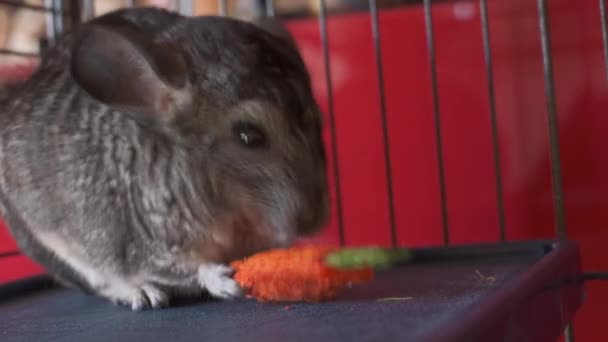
x=295 y=274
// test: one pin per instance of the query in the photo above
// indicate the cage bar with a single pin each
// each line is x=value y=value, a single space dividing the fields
x=332 y=119
x=269 y=6
x=57 y=15
x=185 y=7
x=87 y=9
x=556 y=169
x=604 y=33
x=553 y=123
x=487 y=52
x=385 y=131
x=223 y=7
x=569 y=333
x=50 y=20
x=430 y=42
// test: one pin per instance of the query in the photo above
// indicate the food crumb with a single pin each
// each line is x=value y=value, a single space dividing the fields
x=484 y=280
x=488 y=280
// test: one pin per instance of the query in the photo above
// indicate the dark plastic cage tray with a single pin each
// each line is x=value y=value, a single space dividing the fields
x=508 y=292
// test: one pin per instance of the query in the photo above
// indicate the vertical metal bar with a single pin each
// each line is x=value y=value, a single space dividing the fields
x=556 y=170
x=556 y=173
x=57 y=18
x=487 y=52
x=604 y=33
x=58 y=11
x=223 y=7
x=50 y=20
x=269 y=8
x=569 y=333
x=88 y=9
x=185 y=7
x=385 y=132
x=332 y=118
x=569 y=329
x=430 y=42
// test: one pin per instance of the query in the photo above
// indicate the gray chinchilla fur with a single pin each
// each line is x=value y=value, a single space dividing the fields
x=149 y=150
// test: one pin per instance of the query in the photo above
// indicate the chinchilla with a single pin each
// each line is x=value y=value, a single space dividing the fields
x=149 y=150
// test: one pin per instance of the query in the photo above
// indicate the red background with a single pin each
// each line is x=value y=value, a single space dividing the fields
x=582 y=99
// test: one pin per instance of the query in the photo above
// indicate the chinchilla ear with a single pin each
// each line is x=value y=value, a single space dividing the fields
x=122 y=66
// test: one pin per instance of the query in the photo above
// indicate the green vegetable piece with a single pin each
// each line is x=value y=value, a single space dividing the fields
x=361 y=257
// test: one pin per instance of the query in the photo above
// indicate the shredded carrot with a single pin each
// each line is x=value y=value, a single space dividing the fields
x=295 y=274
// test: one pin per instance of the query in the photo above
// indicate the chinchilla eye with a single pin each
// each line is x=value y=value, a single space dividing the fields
x=249 y=134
